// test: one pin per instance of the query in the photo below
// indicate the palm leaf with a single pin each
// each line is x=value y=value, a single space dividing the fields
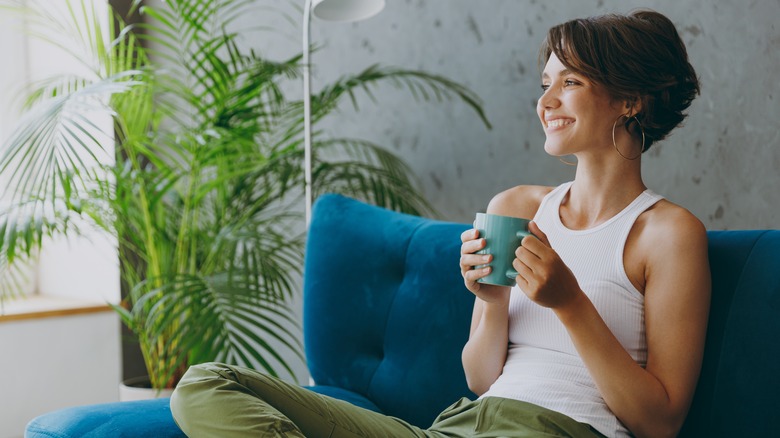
x=57 y=140
x=423 y=86
x=204 y=190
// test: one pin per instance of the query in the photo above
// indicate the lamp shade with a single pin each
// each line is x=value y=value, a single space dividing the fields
x=346 y=10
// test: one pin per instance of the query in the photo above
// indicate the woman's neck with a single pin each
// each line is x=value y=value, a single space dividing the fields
x=601 y=189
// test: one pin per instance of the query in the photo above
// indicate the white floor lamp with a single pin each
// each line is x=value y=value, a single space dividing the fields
x=330 y=10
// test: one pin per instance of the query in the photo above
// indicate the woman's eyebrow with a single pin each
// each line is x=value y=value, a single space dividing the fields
x=563 y=72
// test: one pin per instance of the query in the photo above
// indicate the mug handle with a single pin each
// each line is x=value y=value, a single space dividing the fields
x=511 y=273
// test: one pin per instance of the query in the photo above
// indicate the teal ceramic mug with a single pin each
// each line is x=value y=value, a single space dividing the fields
x=502 y=235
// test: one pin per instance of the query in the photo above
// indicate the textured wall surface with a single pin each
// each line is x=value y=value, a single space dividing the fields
x=723 y=165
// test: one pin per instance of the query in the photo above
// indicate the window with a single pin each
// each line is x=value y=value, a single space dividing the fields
x=84 y=268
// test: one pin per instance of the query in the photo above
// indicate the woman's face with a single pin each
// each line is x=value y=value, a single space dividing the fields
x=577 y=115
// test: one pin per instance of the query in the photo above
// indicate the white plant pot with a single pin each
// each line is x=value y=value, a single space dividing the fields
x=139 y=388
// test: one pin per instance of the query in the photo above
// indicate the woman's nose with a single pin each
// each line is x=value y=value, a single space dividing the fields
x=548 y=99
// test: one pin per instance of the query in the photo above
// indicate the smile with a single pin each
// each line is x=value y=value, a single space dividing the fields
x=557 y=123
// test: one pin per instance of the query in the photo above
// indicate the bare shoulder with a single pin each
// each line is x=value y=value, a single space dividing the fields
x=519 y=201
x=671 y=239
x=669 y=222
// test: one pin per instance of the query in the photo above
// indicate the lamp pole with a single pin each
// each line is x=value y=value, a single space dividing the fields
x=307 y=110
x=331 y=10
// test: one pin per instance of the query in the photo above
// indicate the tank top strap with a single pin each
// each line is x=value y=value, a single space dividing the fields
x=645 y=200
x=626 y=223
x=550 y=205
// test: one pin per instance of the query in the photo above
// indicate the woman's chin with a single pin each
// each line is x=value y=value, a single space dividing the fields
x=554 y=150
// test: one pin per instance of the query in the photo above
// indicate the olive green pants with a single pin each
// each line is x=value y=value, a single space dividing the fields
x=216 y=400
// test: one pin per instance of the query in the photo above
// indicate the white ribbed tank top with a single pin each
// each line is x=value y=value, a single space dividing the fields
x=542 y=365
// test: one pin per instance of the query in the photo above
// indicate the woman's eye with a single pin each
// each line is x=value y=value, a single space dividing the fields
x=545 y=87
x=570 y=82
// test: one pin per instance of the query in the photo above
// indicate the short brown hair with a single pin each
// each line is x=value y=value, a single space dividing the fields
x=634 y=56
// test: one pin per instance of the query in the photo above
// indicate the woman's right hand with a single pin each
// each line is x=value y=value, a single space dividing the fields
x=485 y=352
x=469 y=260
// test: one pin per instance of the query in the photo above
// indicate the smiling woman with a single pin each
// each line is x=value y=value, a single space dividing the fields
x=612 y=292
x=575 y=111
x=649 y=70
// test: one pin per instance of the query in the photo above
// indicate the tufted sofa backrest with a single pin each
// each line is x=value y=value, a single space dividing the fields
x=738 y=394
x=386 y=313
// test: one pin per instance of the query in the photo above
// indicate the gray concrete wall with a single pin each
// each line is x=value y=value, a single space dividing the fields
x=723 y=165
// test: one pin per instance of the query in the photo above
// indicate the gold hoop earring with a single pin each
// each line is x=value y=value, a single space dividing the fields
x=642 y=149
x=568 y=163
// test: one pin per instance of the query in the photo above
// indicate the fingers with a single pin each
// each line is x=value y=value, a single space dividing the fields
x=469 y=235
x=468 y=259
x=524 y=274
x=472 y=275
x=471 y=260
x=529 y=260
x=538 y=233
x=534 y=245
x=530 y=250
x=471 y=244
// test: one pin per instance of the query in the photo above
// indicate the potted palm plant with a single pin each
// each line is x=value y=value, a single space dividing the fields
x=204 y=190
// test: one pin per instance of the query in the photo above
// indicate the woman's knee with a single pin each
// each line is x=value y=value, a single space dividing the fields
x=213 y=399
x=191 y=398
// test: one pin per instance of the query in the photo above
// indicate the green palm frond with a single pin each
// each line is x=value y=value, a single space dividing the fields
x=25 y=225
x=204 y=188
x=14 y=275
x=54 y=149
x=364 y=170
x=423 y=86
x=234 y=322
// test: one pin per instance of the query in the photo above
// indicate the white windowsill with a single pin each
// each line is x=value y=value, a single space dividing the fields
x=42 y=306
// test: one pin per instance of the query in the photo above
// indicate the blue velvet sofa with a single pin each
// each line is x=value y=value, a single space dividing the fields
x=386 y=315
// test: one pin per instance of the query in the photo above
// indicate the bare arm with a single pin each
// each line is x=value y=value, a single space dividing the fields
x=485 y=352
x=651 y=401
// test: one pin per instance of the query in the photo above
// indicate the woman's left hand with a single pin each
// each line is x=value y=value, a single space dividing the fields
x=542 y=275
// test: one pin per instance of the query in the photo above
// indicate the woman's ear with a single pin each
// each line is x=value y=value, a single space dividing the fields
x=633 y=106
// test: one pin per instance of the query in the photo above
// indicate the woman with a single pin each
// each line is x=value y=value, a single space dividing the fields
x=605 y=331
x=607 y=323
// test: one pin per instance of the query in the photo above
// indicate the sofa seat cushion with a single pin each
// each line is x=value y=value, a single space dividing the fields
x=143 y=418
